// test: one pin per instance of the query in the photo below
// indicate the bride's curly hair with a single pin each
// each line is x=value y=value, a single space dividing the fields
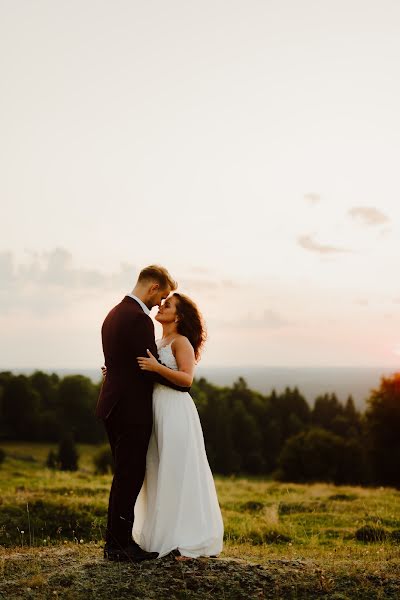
x=190 y=323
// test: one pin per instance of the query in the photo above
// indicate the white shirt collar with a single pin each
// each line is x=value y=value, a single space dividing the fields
x=142 y=304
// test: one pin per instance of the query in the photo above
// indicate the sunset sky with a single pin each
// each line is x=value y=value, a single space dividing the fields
x=250 y=147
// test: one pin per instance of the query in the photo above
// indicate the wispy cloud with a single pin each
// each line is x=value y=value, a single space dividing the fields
x=307 y=242
x=312 y=198
x=55 y=269
x=368 y=215
x=47 y=281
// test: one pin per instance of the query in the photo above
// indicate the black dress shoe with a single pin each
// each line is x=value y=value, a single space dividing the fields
x=132 y=553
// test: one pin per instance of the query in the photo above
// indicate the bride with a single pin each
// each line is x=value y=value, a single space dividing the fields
x=177 y=508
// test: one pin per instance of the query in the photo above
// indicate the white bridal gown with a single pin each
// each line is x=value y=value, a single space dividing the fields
x=177 y=506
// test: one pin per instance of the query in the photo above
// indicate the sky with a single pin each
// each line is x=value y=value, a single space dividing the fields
x=250 y=147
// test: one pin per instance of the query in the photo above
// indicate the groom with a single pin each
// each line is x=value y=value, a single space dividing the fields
x=125 y=404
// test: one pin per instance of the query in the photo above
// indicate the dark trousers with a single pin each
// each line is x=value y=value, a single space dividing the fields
x=129 y=445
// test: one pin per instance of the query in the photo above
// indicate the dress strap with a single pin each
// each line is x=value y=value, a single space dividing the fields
x=166 y=345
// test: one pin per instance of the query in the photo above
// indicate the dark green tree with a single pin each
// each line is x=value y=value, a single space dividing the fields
x=247 y=440
x=383 y=431
x=47 y=388
x=326 y=409
x=216 y=419
x=284 y=415
x=319 y=455
x=245 y=409
x=347 y=423
x=21 y=409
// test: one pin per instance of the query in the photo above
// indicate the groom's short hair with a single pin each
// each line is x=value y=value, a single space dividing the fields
x=158 y=274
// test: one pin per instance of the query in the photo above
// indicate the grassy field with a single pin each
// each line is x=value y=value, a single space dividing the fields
x=281 y=540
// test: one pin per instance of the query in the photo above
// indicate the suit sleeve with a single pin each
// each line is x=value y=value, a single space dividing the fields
x=146 y=341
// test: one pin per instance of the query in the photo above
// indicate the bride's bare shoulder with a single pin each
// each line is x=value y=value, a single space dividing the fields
x=180 y=343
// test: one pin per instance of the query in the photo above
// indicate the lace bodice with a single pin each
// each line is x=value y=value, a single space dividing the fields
x=166 y=356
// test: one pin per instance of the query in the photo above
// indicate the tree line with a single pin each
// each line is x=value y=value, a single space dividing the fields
x=246 y=432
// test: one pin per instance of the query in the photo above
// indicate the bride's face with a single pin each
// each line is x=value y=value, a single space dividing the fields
x=167 y=311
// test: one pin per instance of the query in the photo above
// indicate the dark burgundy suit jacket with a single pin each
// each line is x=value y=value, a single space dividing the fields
x=127 y=332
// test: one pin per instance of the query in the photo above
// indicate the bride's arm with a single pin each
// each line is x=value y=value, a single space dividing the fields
x=184 y=356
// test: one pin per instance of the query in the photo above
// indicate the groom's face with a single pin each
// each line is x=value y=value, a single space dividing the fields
x=158 y=296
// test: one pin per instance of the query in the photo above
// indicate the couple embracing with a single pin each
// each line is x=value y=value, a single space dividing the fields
x=163 y=497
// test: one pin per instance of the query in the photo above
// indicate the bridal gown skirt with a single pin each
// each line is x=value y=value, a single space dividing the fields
x=178 y=505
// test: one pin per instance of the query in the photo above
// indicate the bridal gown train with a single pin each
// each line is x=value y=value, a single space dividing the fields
x=177 y=506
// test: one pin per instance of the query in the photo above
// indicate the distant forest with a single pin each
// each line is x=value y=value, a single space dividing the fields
x=246 y=433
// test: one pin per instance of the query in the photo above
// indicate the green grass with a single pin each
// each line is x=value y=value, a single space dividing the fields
x=265 y=521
